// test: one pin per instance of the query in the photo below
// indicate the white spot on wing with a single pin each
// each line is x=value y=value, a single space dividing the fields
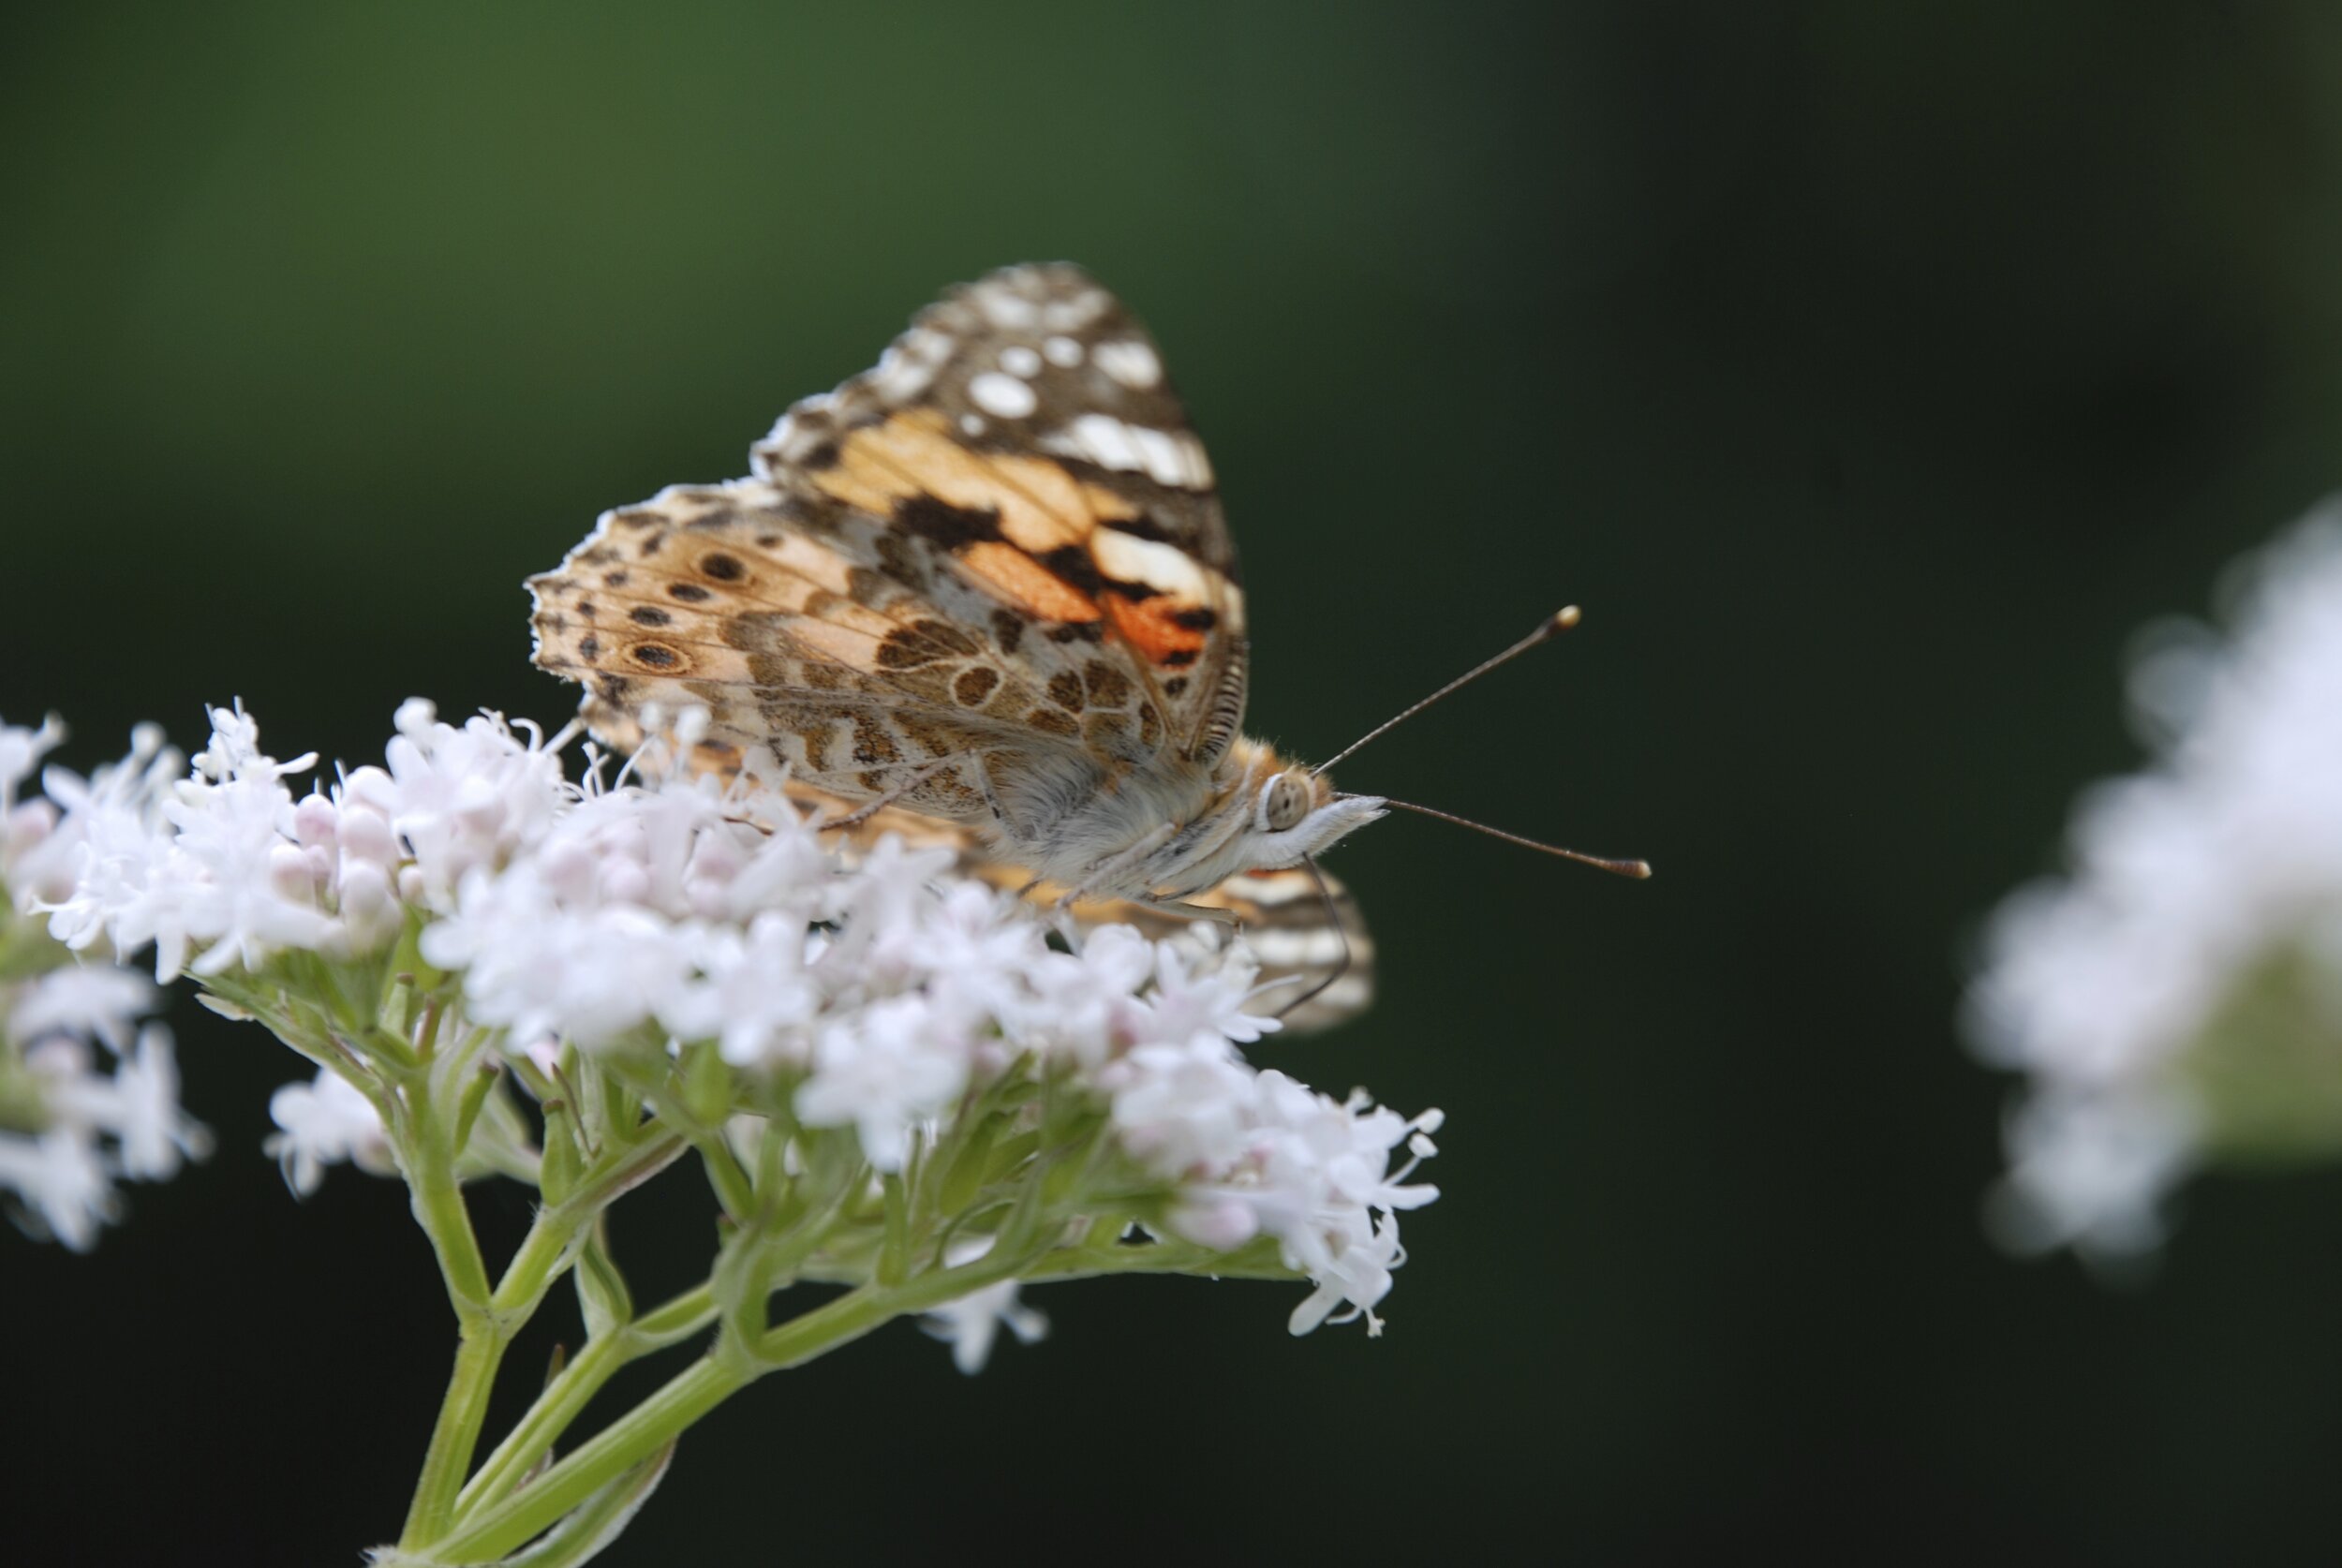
x=905 y=369
x=972 y=424
x=1273 y=888
x=1166 y=567
x=1168 y=459
x=1129 y=362
x=1063 y=351
x=1017 y=360
x=1199 y=465
x=1100 y=438
x=1072 y=315
x=1003 y=396
x=1165 y=463
x=1295 y=947
x=899 y=379
x=787 y=438
x=1003 y=307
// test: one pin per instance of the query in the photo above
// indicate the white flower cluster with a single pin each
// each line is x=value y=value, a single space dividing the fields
x=652 y=914
x=2190 y=881
x=71 y=1128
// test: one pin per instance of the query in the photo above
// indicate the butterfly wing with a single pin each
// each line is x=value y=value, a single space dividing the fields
x=1024 y=427
x=1316 y=957
x=998 y=551
x=777 y=620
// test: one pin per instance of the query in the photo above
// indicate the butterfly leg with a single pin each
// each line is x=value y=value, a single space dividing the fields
x=1105 y=877
x=876 y=803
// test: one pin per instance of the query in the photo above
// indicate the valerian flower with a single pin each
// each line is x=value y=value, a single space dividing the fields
x=2177 y=998
x=89 y=1086
x=870 y=991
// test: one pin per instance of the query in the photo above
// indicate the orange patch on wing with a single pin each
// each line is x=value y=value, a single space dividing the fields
x=1147 y=627
x=1024 y=583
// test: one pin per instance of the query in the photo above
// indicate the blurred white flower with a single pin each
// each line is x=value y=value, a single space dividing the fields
x=137 y=1104
x=89 y=1091
x=21 y=751
x=971 y=1324
x=323 y=1123
x=2180 y=994
x=101 y=1001
x=62 y=1176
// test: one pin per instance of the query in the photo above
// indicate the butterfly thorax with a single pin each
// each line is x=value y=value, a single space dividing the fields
x=1171 y=830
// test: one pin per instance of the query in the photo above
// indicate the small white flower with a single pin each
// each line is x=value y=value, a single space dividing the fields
x=323 y=1123
x=21 y=751
x=1194 y=1001
x=971 y=1324
x=752 y=996
x=887 y=1070
x=62 y=1177
x=153 y=1135
x=138 y=1105
x=87 y=1001
x=1085 y=1004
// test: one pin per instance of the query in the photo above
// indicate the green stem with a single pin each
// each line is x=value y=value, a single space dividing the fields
x=606 y=1184
x=439 y=1204
x=477 y=1355
x=534 y=1267
x=639 y=1433
x=491 y=1316
x=564 y=1399
x=636 y=1436
x=733 y=1190
x=1256 y=1261
x=567 y=1395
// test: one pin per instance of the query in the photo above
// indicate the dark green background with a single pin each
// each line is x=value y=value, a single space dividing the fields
x=1869 y=370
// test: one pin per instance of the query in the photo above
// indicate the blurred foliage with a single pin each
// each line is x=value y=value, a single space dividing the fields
x=1867 y=371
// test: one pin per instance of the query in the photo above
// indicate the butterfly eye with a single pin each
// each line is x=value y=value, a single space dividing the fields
x=1284 y=802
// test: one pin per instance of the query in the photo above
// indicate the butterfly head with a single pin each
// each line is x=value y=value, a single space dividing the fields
x=1290 y=813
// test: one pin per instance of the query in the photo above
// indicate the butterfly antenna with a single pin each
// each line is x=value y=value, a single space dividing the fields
x=1638 y=869
x=1548 y=629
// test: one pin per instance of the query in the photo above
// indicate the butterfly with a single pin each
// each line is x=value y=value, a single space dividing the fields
x=984 y=595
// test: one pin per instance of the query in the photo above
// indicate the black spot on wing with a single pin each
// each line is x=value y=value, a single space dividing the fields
x=943 y=524
x=1072 y=565
x=924 y=642
x=1142 y=527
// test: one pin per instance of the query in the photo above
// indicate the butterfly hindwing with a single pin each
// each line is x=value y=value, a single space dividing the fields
x=807 y=632
x=1316 y=957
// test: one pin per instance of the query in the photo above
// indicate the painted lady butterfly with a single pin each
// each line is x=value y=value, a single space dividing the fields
x=984 y=595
